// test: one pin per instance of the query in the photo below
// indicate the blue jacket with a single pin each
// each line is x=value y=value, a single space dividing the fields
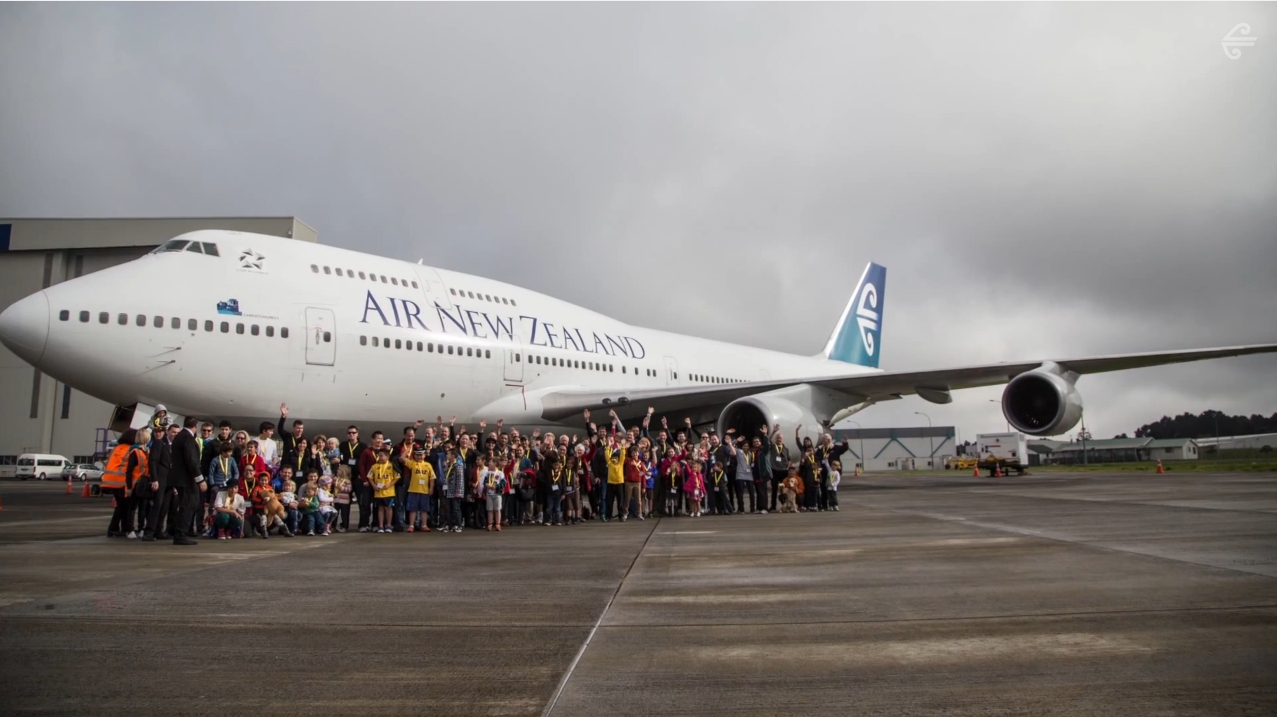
x=217 y=478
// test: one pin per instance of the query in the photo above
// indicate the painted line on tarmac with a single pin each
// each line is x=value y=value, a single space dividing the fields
x=563 y=683
x=47 y=522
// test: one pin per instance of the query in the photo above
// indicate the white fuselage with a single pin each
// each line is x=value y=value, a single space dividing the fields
x=487 y=348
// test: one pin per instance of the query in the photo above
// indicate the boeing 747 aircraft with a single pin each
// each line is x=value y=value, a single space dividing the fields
x=346 y=337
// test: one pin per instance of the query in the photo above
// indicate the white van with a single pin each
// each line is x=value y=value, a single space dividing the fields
x=41 y=465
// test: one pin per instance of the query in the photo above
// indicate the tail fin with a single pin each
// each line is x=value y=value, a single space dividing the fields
x=857 y=338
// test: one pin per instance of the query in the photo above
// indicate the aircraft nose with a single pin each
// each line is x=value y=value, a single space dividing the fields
x=24 y=327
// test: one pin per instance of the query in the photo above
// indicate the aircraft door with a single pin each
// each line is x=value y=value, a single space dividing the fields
x=321 y=325
x=514 y=363
x=432 y=289
x=671 y=371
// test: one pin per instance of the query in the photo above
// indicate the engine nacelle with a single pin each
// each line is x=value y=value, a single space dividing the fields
x=1042 y=402
x=750 y=413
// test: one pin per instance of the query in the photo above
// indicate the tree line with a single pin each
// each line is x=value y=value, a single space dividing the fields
x=1207 y=425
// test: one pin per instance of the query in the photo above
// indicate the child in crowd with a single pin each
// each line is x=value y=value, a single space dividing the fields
x=288 y=498
x=310 y=508
x=421 y=483
x=343 y=491
x=790 y=490
x=327 y=512
x=261 y=492
x=572 y=491
x=718 y=486
x=694 y=489
x=493 y=484
x=228 y=511
x=332 y=457
x=383 y=476
x=831 y=483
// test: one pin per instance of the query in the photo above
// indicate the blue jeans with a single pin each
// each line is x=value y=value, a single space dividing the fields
x=554 y=507
x=312 y=522
x=291 y=519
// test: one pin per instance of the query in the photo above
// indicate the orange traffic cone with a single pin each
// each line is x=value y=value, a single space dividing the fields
x=1159 y=466
x=85 y=492
x=975 y=470
x=68 y=486
x=997 y=470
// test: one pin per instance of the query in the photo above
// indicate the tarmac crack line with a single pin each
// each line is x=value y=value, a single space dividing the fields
x=563 y=682
x=1055 y=537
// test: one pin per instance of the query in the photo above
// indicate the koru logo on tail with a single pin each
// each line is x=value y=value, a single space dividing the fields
x=867 y=316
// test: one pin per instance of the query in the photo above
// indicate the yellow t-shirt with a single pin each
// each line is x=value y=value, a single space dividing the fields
x=423 y=476
x=383 y=477
x=615 y=466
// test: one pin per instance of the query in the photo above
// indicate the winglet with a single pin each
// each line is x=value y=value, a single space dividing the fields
x=857 y=337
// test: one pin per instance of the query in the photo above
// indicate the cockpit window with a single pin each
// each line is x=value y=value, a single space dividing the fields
x=173 y=245
x=195 y=247
x=210 y=249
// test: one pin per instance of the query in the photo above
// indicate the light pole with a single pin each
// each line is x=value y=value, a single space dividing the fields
x=930 y=439
x=861 y=431
x=994 y=400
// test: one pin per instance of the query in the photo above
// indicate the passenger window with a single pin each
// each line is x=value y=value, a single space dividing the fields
x=394 y=281
x=414 y=284
x=385 y=343
x=363 y=340
x=361 y=275
x=239 y=329
x=504 y=301
x=64 y=315
x=430 y=348
x=283 y=332
x=512 y=303
x=255 y=330
x=419 y=346
x=314 y=269
x=122 y=319
x=328 y=271
x=487 y=298
x=398 y=344
x=195 y=247
x=350 y=273
x=487 y=353
x=470 y=294
x=226 y=328
x=338 y=270
x=141 y=320
x=210 y=249
x=622 y=369
x=375 y=342
x=454 y=291
x=84 y=317
x=191 y=324
x=208 y=325
x=383 y=279
x=517 y=358
x=328 y=337
x=469 y=351
x=176 y=323
x=158 y=322
x=449 y=350
x=270 y=331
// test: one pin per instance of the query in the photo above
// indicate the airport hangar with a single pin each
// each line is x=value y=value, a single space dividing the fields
x=39 y=414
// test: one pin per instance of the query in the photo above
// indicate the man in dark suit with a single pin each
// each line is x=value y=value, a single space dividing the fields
x=186 y=481
x=161 y=460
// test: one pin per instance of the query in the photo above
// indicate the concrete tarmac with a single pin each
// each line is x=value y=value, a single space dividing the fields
x=1095 y=594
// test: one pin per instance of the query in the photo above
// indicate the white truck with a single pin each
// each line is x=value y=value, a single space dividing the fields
x=1008 y=451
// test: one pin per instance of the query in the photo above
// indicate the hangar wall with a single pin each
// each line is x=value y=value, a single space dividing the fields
x=39 y=414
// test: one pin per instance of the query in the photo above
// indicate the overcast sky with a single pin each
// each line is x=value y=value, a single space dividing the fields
x=1040 y=180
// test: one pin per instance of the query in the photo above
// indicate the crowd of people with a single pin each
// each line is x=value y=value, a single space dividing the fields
x=197 y=480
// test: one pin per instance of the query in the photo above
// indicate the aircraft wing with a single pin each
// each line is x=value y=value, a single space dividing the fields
x=560 y=404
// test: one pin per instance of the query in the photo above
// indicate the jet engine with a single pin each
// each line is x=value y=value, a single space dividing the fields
x=1043 y=402
x=806 y=404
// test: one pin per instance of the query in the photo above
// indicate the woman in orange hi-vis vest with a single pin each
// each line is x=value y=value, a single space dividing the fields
x=126 y=467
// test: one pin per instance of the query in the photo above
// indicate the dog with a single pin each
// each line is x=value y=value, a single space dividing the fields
x=272 y=513
x=788 y=498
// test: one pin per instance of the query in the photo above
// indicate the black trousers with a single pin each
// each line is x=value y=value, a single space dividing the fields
x=122 y=516
x=157 y=516
x=186 y=502
x=745 y=488
x=365 y=506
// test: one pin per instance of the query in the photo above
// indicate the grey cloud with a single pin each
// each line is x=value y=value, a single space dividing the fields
x=1041 y=180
